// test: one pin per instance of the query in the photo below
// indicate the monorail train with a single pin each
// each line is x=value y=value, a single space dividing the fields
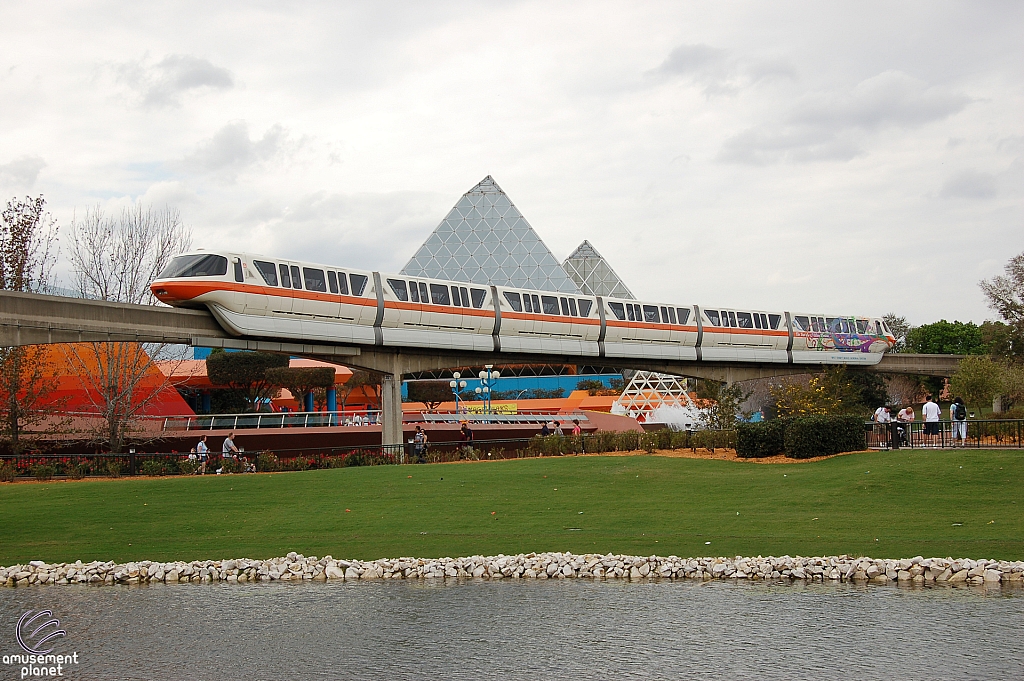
x=255 y=296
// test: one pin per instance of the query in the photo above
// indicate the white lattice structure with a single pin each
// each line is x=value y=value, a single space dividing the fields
x=484 y=239
x=658 y=398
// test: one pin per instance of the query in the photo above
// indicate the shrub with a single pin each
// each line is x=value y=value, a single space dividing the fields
x=8 y=471
x=230 y=465
x=267 y=462
x=1017 y=413
x=114 y=468
x=760 y=440
x=188 y=466
x=810 y=436
x=78 y=470
x=43 y=471
x=154 y=467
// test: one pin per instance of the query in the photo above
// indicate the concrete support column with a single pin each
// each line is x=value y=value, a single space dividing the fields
x=391 y=404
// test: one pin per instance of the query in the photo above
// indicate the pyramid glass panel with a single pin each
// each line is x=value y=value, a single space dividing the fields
x=593 y=275
x=497 y=236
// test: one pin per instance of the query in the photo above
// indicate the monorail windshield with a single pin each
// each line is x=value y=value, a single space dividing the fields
x=203 y=265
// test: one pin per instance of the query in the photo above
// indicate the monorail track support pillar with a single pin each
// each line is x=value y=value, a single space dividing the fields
x=391 y=408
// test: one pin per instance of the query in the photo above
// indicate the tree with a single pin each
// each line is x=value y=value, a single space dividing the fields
x=28 y=250
x=723 y=402
x=1003 y=341
x=115 y=259
x=1006 y=293
x=977 y=380
x=301 y=381
x=900 y=327
x=430 y=393
x=902 y=389
x=246 y=372
x=947 y=338
x=797 y=399
x=367 y=381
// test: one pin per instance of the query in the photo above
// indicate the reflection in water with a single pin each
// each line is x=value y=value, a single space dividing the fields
x=572 y=629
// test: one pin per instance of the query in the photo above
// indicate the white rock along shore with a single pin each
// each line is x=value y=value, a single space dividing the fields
x=296 y=567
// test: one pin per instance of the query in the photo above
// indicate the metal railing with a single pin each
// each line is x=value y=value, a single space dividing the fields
x=288 y=419
x=980 y=434
x=523 y=417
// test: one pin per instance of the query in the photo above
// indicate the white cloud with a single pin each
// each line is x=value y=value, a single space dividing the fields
x=164 y=83
x=21 y=173
x=833 y=125
x=718 y=70
x=231 y=149
x=969 y=184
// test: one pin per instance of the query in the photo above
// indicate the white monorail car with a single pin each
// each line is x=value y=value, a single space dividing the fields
x=254 y=296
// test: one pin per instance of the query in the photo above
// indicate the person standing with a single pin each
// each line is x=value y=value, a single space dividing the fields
x=228 y=452
x=204 y=454
x=576 y=430
x=958 y=418
x=467 y=441
x=419 y=445
x=558 y=428
x=932 y=414
x=884 y=419
x=906 y=420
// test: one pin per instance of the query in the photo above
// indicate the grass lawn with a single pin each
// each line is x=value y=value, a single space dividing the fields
x=901 y=504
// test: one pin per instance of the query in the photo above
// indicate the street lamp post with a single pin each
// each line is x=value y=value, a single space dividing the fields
x=487 y=380
x=456 y=385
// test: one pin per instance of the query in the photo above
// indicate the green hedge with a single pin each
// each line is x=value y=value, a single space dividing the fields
x=760 y=440
x=801 y=437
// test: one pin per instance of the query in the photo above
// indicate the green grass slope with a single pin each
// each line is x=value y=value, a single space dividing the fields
x=941 y=503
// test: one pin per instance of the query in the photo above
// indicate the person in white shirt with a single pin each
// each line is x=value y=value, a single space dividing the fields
x=932 y=413
x=905 y=418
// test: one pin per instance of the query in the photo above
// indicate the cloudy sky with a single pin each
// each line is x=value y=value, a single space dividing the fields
x=838 y=157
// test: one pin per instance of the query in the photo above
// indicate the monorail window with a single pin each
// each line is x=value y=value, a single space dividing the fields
x=536 y=303
x=456 y=298
x=439 y=294
x=712 y=316
x=757 y=320
x=572 y=306
x=684 y=314
x=414 y=292
x=238 y=270
x=358 y=283
x=801 y=323
x=651 y=314
x=549 y=304
x=630 y=314
x=618 y=310
x=671 y=314
x=846 y=325
x=773 y=321
x=478 y=295
x=565 y=306
x=744 y=320
x=203 y=265
x=513 y=300
x=664 y=314
x=527 y=305
x=465 y=296
x=342 y=284
x=332 y=281
x=296 y=277
x=315 y=280
x=585 y=307
x=862 y=326
x=398 y=286
x=267 y=270
x=286 y=279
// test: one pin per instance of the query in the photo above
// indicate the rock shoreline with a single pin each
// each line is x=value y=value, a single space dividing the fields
x=296 y=567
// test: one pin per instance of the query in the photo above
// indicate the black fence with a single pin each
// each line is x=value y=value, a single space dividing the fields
x=76 y=466
x=975 y=433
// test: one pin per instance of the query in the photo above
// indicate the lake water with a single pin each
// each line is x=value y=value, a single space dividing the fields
x=572 y=629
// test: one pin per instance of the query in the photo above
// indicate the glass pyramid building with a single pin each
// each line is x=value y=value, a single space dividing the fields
x=593 y=275
x=486 y=240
